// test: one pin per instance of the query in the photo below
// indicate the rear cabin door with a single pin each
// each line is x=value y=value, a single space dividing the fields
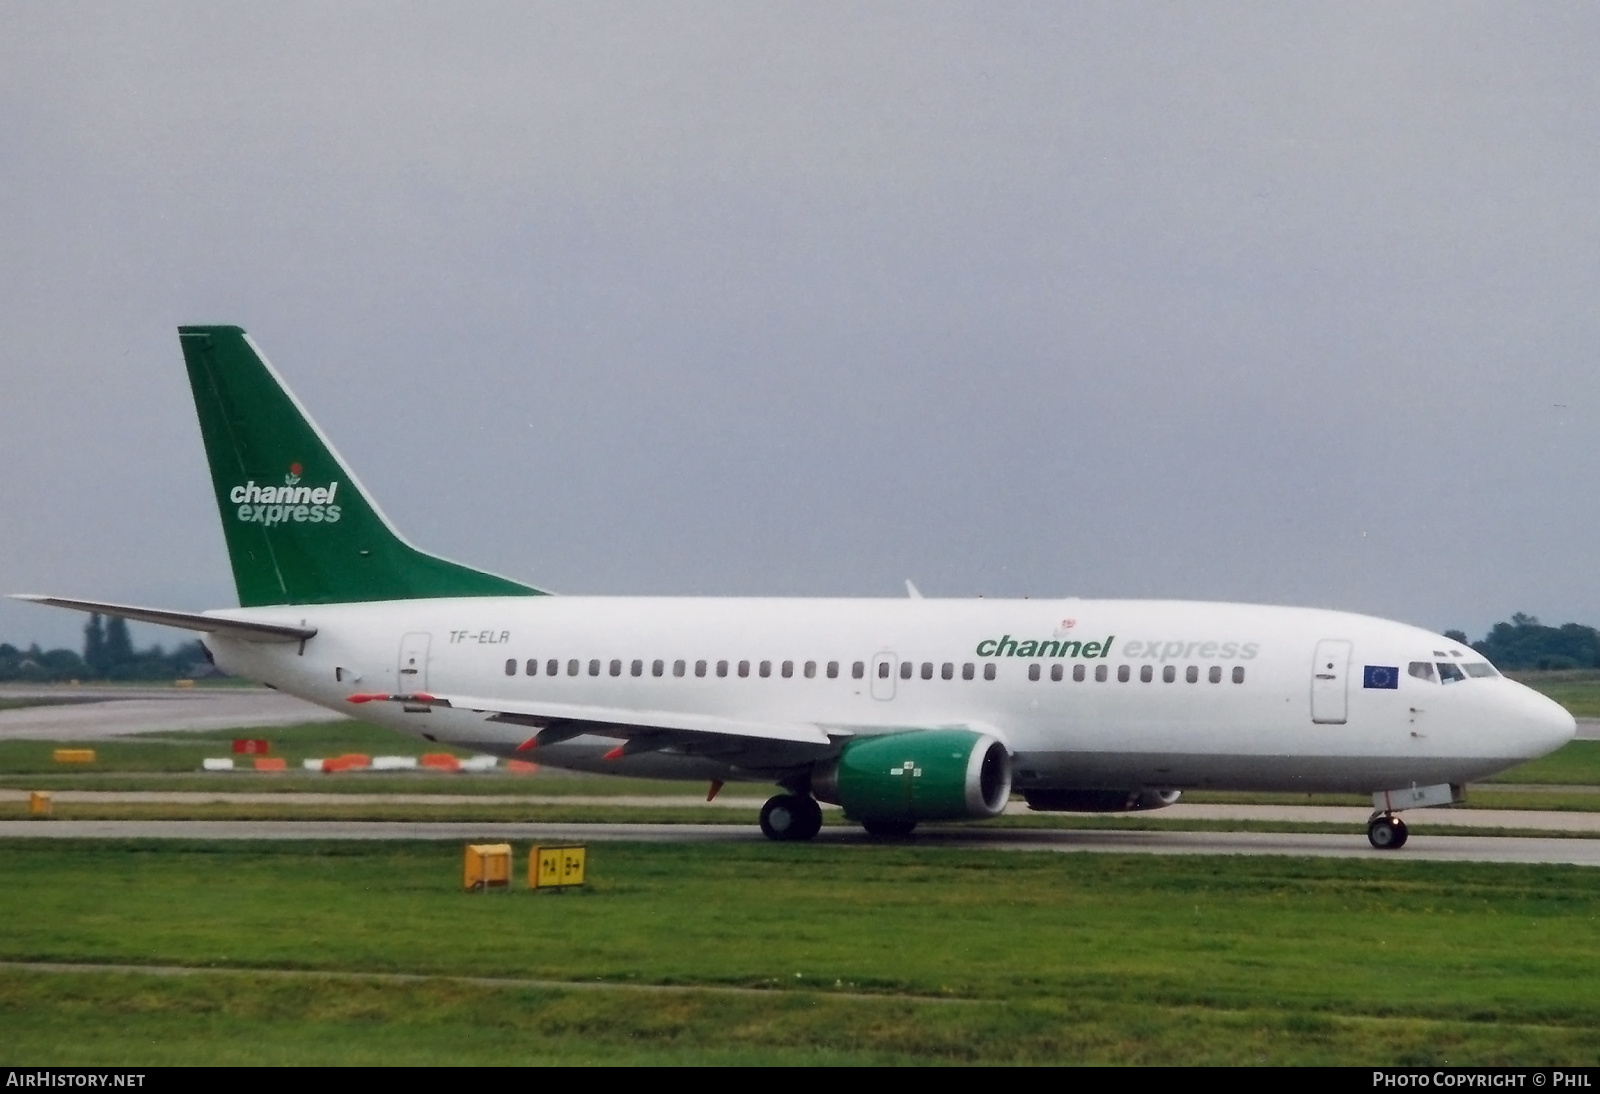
x=1330 y=674
x=413 y=675
x=883 y=672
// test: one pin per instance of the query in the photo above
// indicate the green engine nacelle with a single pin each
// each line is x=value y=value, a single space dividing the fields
x=925 y=774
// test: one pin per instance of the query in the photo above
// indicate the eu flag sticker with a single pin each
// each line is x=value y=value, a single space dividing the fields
x=1380 y=676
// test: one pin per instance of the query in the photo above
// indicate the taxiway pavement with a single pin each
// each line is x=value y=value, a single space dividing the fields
x=104 y=713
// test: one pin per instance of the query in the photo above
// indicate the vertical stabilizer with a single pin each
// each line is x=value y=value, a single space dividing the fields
x=299 y=526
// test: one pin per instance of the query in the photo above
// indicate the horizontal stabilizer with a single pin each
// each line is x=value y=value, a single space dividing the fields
x=245 y=629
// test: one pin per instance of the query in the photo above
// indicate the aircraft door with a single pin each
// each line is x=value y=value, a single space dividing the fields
x=1330 y=674
x=413 y=675
x=883 y=670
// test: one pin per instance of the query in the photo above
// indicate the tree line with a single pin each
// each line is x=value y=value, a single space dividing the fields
x=108 y=654
x=1525 y=643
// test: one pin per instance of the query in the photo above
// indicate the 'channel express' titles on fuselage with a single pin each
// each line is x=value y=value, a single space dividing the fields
x=1135 y=650
x=282 y=504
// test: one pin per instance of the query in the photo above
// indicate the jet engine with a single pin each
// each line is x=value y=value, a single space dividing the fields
x=891 y=782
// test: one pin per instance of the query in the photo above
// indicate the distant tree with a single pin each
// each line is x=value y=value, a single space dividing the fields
x=94 y=645
x=119 y=646
x=1458 y=636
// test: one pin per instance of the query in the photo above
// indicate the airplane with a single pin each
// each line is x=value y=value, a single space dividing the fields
x=901 y=711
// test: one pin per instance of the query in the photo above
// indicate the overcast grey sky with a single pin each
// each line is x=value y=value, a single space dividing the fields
x=1291 y=303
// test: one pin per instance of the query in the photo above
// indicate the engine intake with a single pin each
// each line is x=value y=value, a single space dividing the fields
x=925 y=774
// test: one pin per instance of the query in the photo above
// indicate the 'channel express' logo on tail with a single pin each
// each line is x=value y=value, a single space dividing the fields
x=289 y=503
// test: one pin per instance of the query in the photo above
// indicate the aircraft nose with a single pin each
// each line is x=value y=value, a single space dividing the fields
x=1544 y=724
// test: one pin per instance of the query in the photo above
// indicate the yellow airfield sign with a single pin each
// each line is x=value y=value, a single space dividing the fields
x=556 y=867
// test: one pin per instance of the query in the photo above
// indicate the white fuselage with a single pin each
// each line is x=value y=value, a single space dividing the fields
x=1160 y=694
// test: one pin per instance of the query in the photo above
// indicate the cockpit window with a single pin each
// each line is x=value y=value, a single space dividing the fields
x=1479 y=668
x=1449 y=673
x=1422 y=670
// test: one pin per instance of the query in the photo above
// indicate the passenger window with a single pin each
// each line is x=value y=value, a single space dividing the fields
x=511 y=666
x=637 y=668
x=572 y=667
x=744 y=668
x=988 y=671
x=1479 y=668
x=594 y=668
x=858 y=670
x=811 y=670
x=1449 y=673
x=927 y=670
x=1033 y=671
x=659 y=668
x=722 y=668
x=1169 y=674
x=1238 y=674
x=1192 y=674
x=766 y=669
x=552 y=667
x=905 y=670
x=1216 y=674
x=833 y=670
x=699 y=668
x=1422 y=670
x=1057 y=672
x=1146 y=674
x=532 y=666
x=1077 y=674
x=616 y=667
x=968 y=670
x=1100 y=673
x=947 y=671
x=788 y=669
x=678 y=668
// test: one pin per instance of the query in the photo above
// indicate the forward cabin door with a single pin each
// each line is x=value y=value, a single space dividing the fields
x=1330 y=675
x=413 y=664
x=883 y=671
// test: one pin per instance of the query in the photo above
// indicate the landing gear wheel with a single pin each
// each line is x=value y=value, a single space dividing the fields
x=1387 y=833
x=789 y=817
x=888 y=829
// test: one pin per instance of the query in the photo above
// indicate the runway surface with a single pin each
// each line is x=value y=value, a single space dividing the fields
x=105 y=713
x=1546 y=850
x=1355 y=816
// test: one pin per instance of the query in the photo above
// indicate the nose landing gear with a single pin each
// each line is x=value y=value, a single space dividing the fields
x=791 y=817
x=1387 y=832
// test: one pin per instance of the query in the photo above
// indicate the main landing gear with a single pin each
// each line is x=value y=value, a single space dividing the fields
x=791 y=817
x=1387 y=832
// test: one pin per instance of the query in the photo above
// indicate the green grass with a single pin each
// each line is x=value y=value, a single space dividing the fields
x=1060 y=957
x=1576 y=763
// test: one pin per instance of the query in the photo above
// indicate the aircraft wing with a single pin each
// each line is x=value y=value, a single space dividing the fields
x=247 y=629
x=641 y=730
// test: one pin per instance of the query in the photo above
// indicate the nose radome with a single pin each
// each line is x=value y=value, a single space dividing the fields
x=1546 y=724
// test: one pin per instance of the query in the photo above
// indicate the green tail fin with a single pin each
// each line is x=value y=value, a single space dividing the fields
x=299 y=527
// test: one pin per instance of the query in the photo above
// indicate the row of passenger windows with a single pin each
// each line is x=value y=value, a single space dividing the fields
x=858 y=670
x=552 y=667
x=1147 y=673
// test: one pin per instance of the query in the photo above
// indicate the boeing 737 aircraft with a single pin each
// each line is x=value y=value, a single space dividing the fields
x=899 y=711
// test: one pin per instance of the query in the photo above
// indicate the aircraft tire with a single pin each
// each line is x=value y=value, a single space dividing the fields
x=1387 y=833
x=790 y=817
